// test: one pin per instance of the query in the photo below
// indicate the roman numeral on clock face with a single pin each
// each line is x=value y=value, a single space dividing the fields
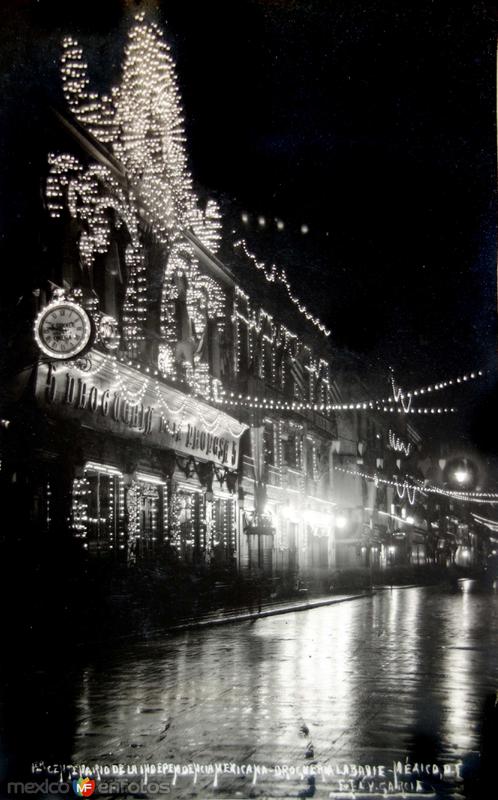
x=63 y=330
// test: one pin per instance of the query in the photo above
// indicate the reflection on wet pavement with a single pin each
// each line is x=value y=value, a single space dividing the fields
x=401 y=676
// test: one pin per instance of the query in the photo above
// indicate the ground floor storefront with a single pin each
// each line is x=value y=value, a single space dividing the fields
x=127 y=468
x=286 y=531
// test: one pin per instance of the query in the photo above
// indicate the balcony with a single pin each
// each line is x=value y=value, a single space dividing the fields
x=273 y=477
x=291 y=479
x=248 y=468
x=317 y=489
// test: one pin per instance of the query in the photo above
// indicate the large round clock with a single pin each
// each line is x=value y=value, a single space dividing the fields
x=62 y=329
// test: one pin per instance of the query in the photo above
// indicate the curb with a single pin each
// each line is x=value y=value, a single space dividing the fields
x=387 y=586
x=269 y=612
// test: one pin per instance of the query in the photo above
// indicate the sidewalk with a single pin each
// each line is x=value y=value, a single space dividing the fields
x=269 y=609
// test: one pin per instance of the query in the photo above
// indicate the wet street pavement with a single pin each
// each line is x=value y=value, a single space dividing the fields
x=383 y=695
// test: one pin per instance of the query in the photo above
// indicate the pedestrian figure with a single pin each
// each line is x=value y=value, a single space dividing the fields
x=310 y=751
x=255 y=594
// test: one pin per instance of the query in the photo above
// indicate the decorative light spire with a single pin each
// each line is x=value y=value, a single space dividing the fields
x=141 y=122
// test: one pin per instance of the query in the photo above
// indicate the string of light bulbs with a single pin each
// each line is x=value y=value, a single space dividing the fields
x=398 y=445
x=133 y=398
x=164 y=403
x=455 y=493
x=477 y=497
x=274 y=275
x=401 y=488
x=492 y=524
x=406 y=489
x=264 y=404
x=398 y=392
x=262 y=221
x=220 y=419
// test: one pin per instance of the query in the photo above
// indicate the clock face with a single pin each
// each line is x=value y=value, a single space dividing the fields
x=63 y=329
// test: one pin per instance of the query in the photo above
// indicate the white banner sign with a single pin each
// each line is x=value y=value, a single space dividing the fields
x=115 y=399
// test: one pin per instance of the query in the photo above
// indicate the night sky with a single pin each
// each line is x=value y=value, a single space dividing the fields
x=373 y=123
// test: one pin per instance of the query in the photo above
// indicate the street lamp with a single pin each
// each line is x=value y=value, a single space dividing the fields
x=462 y=472
x=341 y=522
x=462 y=476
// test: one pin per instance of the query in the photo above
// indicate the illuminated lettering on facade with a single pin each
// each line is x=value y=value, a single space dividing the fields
x=92 y=400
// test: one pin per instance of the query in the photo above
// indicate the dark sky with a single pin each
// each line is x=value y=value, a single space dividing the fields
x=371 y=122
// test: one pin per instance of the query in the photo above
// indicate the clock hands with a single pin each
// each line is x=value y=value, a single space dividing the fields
x=62 y=330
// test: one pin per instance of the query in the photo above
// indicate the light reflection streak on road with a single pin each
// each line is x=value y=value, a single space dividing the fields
x=372 y=679
x=459 y=669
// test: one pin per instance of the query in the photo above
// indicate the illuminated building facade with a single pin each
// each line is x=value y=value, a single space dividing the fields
x=196 y=419
x=140 y=336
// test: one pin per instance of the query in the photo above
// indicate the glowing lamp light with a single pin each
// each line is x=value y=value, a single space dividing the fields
x=410 y=521
x=341 y=522
x=462 y=476
x=288 y=512
x=310 y=517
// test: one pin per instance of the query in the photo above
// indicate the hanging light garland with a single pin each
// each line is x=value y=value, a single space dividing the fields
x=457 y=495
x=398 y=445
x=399 y=397
x=133 y=398
x=402 y=489
x=274 y=275
x=265 y=404
x=492 y=524
x=410 y=489
x=406 y=489
x=399 y=394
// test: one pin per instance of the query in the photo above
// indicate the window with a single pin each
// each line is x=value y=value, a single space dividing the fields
x=292 y=444
x=243 y=347
x=280 y=373
x=268 y=359
x=191 y=542
x=224 y=533
x=310 y=459
x=98 y=511
x=269 y=443
x=145 y=501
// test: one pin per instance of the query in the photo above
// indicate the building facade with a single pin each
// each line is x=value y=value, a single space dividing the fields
x=177 y=405
x=121 y=431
